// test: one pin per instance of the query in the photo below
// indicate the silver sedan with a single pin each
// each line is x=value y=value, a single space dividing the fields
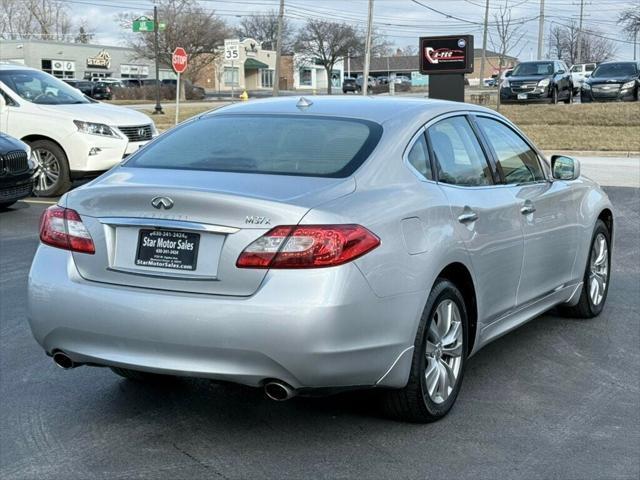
x=312 y=245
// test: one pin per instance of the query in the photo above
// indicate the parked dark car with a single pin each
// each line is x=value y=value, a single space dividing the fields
x=85 y=86
x=102 y=91
x=349 y=85
x=131 y=82
x=17 y=171
x=191 y=91
x=540 y=81
x=95 y=90
x=612 y=81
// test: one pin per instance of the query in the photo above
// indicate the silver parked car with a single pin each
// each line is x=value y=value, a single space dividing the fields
x=313 y=245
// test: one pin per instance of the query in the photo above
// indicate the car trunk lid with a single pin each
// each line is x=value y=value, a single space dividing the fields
x=183 y=230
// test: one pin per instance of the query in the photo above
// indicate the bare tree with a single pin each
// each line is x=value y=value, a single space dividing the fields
x=188 y=25
x=506 y=38
x=43 y=19
x=264 y=28
x=83 y=35
x=629 y=18
x=595 y=47
x=328 y=42
x=407 y=51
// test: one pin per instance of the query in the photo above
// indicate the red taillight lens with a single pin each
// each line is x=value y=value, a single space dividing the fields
x=308 y=246
x=63 y=228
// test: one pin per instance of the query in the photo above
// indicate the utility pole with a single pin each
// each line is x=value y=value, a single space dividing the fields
x=158 y=108
x=276 y=81
x=484 y=44
x=367 y=50
x=635 y=45
x=579 y=56
x=541 y=30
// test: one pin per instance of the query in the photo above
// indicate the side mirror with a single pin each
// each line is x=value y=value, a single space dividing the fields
x=508 y=74
x=565 y=168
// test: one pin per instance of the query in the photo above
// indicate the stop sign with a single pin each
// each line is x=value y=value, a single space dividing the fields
x=179 y=60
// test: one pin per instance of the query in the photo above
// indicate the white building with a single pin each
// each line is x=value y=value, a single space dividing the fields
x=308 y=74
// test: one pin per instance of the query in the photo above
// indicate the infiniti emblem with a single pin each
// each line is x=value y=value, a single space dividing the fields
x=162 y=203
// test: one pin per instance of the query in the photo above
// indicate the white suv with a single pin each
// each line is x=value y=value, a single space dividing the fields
x=580 y=72
x=71 y=135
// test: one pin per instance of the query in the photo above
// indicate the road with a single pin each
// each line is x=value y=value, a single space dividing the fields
x=557 y=398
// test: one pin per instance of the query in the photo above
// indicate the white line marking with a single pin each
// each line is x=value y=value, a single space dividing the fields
x=45 y=202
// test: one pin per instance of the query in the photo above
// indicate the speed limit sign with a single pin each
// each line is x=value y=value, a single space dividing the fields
x=231 y=50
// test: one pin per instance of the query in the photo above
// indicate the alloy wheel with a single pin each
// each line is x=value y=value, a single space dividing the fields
x=443 y=351
x=598 y=269
x=49 y=171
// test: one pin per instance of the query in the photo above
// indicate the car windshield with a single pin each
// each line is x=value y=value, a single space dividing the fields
x=42 y=88
x=267 y=144
x=576 y=68
x=533 y=68
x=615 y=70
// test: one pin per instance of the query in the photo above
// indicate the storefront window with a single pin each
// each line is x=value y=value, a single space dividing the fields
x=305 y=76
x=59 y=68
x=266 y=76
x=231 y=76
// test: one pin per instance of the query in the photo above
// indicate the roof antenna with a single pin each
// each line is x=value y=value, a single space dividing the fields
x=304 y=103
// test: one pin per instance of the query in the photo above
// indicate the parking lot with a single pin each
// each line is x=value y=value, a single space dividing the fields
x=557 y=398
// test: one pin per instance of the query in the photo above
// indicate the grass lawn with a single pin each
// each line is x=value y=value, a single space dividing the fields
x=595 y=126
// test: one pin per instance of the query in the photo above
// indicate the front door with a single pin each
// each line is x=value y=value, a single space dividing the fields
x=485 y=215
x=549 y=220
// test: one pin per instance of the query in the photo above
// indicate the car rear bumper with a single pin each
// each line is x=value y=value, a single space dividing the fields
x=311 y=329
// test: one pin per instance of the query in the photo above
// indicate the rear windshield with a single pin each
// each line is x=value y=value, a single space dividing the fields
x=268 y=144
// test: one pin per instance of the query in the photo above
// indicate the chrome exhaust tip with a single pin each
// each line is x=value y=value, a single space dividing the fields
x=62 y=360
x=279 y=391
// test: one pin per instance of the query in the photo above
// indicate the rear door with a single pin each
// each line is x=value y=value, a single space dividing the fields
x=485 y=215
x=547 y=211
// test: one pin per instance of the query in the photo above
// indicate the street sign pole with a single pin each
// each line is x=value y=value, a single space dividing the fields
x=158 y=107
x=233 y=71
x=177 y=98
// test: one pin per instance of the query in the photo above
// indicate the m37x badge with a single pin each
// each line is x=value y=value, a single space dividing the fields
x=257 y=220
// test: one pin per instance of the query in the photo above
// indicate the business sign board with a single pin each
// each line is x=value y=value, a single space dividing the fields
x=450 y=54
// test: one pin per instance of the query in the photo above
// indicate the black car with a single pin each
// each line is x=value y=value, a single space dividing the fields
x=540 y=81
x=85 y=86
x=349 y=85
x=191 y=91
x=612 y=81
x=95 y=90
x=17 y=171
x=102 y=91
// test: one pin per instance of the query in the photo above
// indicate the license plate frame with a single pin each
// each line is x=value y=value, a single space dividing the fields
x=523 y=96
x=167 y=249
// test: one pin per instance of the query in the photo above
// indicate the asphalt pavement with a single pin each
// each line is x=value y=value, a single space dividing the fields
x=556 y=399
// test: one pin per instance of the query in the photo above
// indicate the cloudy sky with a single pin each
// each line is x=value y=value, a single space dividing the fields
x=401 y=21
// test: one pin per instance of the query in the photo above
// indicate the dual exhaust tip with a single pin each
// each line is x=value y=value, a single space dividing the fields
x=275 y=390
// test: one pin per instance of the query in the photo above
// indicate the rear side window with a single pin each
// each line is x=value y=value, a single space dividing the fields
x=418 y=157
x=267 y=144
x=459 y=156
x=517 y=161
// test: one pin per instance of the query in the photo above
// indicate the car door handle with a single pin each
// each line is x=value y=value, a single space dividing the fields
x=528 y=208
x=468 y=216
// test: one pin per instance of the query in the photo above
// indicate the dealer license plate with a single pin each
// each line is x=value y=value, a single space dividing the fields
x=169 y=249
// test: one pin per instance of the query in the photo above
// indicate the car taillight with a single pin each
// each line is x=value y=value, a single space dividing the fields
x=63 y=228
x=308 y=246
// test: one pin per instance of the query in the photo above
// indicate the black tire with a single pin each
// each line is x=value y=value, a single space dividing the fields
x=585 y=307
x=413 y=403
x=569 y=99
x=63 y=182
x=554 y=96
x=5 y=205
x=138 y=376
